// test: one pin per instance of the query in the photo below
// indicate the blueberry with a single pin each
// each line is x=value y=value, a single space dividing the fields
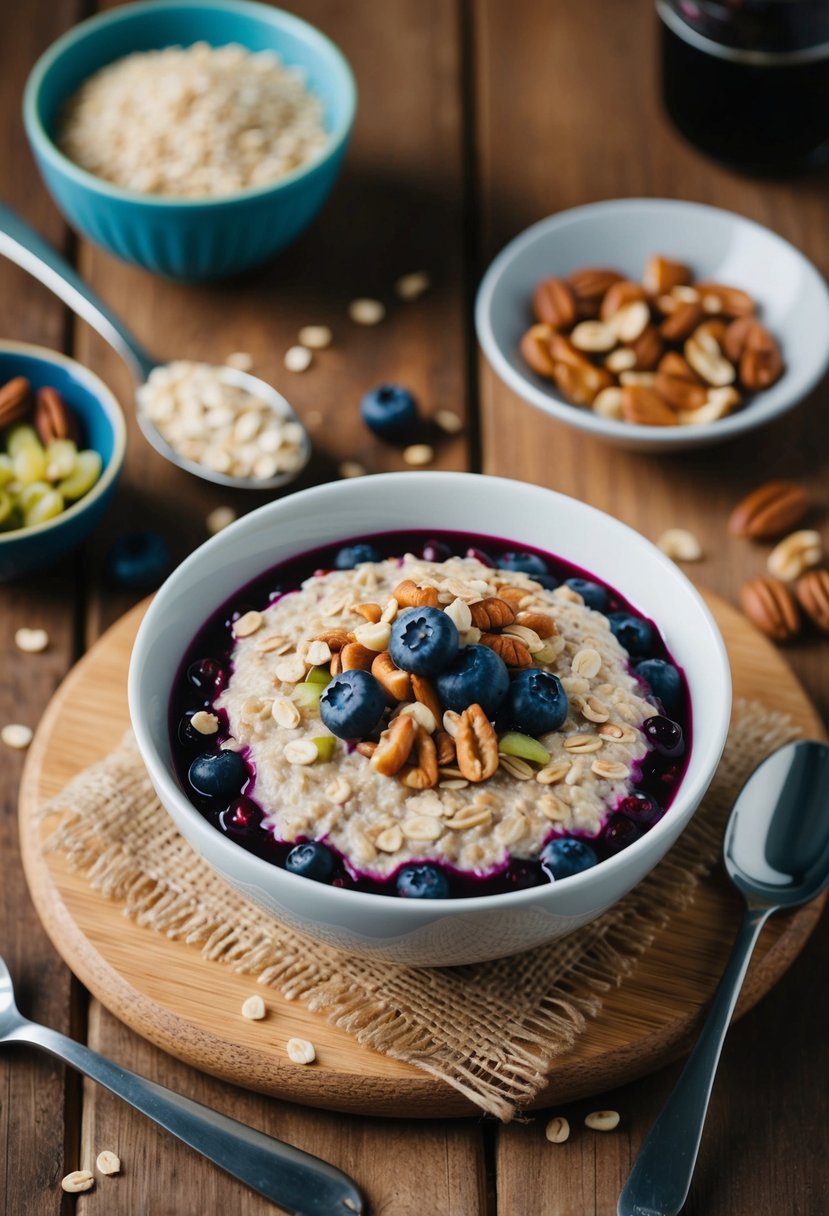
x=478 y=675
x=566 y=855
x=619 y=832
x=436 y=551
x=594 y=595
x=664 y=735
x=525 y=563
x=139 y=560
x=352 y=704
x=352 y=555
x=536 y=702
x=664 y=681
x=312 y=860
x=480 y=555
x=422 y=882
x=218 y=774
x=632 y=632
x=423 y=640
x=241 y=816
x=390 y=412
x=641 y=808
x=207 y=675
x=548 y=581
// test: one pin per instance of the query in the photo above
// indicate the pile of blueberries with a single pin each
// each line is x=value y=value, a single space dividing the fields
x=425 y=641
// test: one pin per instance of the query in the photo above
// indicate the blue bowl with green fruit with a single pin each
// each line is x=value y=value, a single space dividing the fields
x=53 y=493
x=189 y=238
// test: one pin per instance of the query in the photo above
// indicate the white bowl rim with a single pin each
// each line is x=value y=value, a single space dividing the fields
x=757 y=414
x=111 y=407
x=43 y=141
x=417 y=909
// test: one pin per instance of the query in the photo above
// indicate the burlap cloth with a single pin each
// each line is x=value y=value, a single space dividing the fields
x=492 y=1030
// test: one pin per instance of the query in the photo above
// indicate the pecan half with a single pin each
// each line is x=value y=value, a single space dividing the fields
x=673 y=364
x=539 y=622
x=736 y=336
x=511 y=649
x=682 y=322
x=645 y=407
x=535 y=347
x=491 y=613
x=578 y=378
x=355 y=657
x=761 y=363
x=590 y=284
x=395 y=746
x=15 y=400
x=620 y=294
x=512 y=595
x=647 y=349
x=725 y=301
x=409 y=595
x=812 y=591
x=53 y=419
x=476 y=744
x=554 y=303
x=680 y=394
x=661 y=274
x=771 y=510
x=424 y=692
x=770 y=606
x=397 y=683
x=423 y=774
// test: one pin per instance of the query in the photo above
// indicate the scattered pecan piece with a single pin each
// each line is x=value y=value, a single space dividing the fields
x=673 y=364
x=647 y=349
x=491 y=613
x=355 y=656
x=424 y=692
x=736 y=336
x=409 y=595
x=761 y=363
x=539 y=622
x=661 y=274
x=682 y=322
x=509 y=648
x=15 y=400
x=423 y=774
x=53 y=419
x=771 y=510
x=590 y=285
x=554 y=303
x=725 y=301
x=477 y=745
x=812 y=591
x=395 y=746
x=680 y=394
x=371 y=612
x=445 y=745
x=512 y=595
x=335 y=639
x=621 y=293
x=646 y=407
x=770 y=606
x=397 y=683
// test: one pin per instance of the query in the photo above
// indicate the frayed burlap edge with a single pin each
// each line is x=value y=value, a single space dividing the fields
x=493 y=1030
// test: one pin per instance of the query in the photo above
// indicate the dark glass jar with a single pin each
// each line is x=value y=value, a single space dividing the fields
x=747 y=81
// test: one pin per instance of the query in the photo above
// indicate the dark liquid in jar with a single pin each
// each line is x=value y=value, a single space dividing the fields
x=760 y=117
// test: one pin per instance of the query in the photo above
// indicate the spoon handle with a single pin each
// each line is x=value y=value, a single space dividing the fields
x=27 y=248
x=298 y=1182
x=661 y=1178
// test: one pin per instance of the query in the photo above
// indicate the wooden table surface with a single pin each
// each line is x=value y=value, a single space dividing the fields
x=477 y=117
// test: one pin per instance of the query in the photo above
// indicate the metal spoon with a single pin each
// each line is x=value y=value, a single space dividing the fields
x=298 y=1182
x=22 y=245
x=776 y=852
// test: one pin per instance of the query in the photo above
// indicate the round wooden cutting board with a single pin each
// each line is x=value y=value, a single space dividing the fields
x=170 y=995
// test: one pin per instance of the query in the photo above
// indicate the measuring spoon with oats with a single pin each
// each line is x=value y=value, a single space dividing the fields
x=219 y=423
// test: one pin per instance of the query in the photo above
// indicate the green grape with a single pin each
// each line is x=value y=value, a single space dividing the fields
x=319 y=675
x=524 y=746
x=325 y=746
x=86 y=472
x=22 y=439
x=307 y=696
x=29 y=464
x=61 y=455
x=6 y=508
x=6 y=469
x=31 y=494
x=47 y=507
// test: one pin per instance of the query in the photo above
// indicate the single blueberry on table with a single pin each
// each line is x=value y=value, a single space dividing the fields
x=477 y=676
x=352 y=704
x=594 y=595
x=619 y=832
x=632 y=632
x=423 y=640
x=312 y=860
x=664 y=681
x=218 y=774
x=525 y=563
x=665 y=736
x=390 y=412
x=536 y=702
x=641 y=808
x=139 y=560
x=566 y=856
x=422 y=882
x=353 y=555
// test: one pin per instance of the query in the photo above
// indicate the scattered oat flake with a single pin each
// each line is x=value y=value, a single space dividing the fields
x=16 y=735
x=419 y=454
x=220 y=518
x=680 y=545
x=78 y=1180
x=108 y=1162
x=253 y=1009
x=411 y=286
x=366 y=312
x=297 y=358
x=301 y=1051
x=241 y=360
x=247 y=624
x=352 y=468
x=315 y=337
x=449 y=421
x=31 y=641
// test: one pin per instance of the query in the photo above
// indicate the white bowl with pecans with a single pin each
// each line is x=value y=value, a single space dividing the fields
x=430 y=932
x=655 y=324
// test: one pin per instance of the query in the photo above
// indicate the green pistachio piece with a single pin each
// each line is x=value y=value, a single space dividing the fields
x=325 y=746
x=515 y=744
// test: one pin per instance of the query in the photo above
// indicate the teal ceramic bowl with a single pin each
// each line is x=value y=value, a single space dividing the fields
x=186 y=238
x=27 y=549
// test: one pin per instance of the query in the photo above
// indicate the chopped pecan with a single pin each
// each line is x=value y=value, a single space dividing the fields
x=491 y=613
x=554 y=303
x=354 y=656
x=511 y=649
x=539 y=622
x=409 y=595
x=395 y=746
x=476 y=744
x=423 y=774
x=424 y=692
x=397 y=683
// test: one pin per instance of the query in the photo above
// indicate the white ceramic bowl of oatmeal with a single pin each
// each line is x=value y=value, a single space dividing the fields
x=447 y=931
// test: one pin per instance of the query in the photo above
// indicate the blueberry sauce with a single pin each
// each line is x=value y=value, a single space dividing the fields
x=207 y=665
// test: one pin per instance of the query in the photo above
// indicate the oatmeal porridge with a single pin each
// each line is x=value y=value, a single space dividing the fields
x=448 y=720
